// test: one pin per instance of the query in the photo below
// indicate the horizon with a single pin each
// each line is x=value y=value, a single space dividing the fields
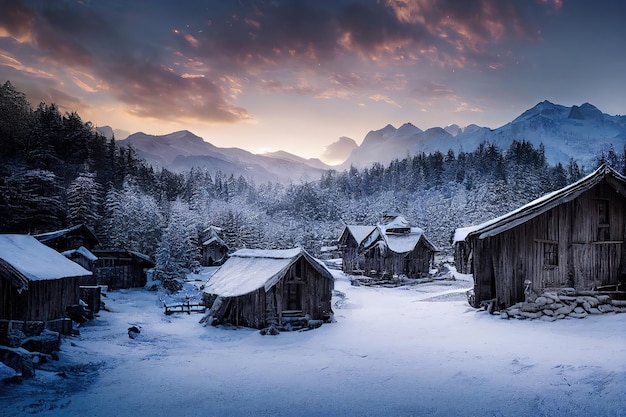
x=296 y=77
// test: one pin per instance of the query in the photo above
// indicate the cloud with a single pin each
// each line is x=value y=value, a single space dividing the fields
x=194 y=59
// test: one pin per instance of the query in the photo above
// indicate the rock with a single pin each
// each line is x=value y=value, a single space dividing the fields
x=547 y=318
x=567 y=298
x=530 y=315
x=579 y=310
x=513 y=311
x=594 y=310
x=606 y=308
x=564 y=310
x=603 y=299
x=530 y=308
x=504 y=314
x=548 y=312
x=541 y=301
x=560 y=316
x=586 y=306
x=578 y=315
x=133 y=332
x=19 y=359
x=566 y=291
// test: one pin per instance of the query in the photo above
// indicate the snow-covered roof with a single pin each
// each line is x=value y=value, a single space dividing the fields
x=214 y=239
x=385 y=234
x=44 y=237
x=82 y=251
x=36 y=261
x=542 y=204
x=247 y=270
x=360 y=232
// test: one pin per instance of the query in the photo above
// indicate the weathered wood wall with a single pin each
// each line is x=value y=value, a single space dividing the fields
x=350 y=255
x=414 y=264
x=586 y=255
x=44 y=300
x=213 y=254
x=250 y=310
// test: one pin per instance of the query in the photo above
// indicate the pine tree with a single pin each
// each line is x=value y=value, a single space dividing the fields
x=83 y=200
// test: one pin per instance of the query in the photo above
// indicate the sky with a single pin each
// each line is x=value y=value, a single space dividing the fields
x=298 y=75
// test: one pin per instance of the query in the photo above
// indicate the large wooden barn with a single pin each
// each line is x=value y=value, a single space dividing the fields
x=393 y=247
x=36 y=282
x=253 y=287
x=573 y=237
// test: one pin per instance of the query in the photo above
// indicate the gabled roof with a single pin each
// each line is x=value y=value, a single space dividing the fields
x=83 y=251
x=543 y=204
x=385 y=235
x=358 y=232
x=30 y=260
x=85 y=230
x=141 y=258
x=215 y=239
x=247 y=270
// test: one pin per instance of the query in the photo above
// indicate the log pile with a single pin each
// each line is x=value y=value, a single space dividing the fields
x=566 y=303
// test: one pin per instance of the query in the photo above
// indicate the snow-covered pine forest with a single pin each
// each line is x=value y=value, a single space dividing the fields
x=57 y=171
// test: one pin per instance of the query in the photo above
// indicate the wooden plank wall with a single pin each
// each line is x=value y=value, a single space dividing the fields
x=503 y=262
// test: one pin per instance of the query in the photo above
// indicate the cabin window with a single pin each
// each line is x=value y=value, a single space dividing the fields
x=603 y=221
x=550 y=255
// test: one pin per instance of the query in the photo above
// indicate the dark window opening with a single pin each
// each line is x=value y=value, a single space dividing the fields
x=550 y=255
x=604 y=230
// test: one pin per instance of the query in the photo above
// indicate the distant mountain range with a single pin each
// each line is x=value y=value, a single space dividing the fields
x=181 y=151
x=578 y=132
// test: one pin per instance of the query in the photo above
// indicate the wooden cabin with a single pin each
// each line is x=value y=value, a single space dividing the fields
x=121 y=268
x=573 y=237
x=253 y=287
x=390 y=248
x=69 y=239
x=214 y=249
x=349 y=242
x=36 y=282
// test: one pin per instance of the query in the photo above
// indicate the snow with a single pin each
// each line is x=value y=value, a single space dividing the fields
x=418 y=350
x=82 y=251
x=248 y=270
x=35 y=260
x=360 y=232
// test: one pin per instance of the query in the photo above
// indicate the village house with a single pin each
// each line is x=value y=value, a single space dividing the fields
x=570 y=238
x=391 y=248
x=349 y=243
x=118 y=268
x=36 y=282
x=256 y=287
x=214 y=249
x=70 y=238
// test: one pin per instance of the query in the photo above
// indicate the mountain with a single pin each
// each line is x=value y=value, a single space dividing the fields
x=108 y=132
x=181 y=151
x=339 y=151
x=579 y=132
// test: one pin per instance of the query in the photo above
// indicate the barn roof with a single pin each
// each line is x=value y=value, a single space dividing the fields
x=543 y=204
x=398 y=236
x=31 y=260
x=358 y=232
x=247 y=270
x=85 y=230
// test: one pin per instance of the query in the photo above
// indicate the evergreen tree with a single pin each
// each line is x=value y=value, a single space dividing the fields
x=83 y=200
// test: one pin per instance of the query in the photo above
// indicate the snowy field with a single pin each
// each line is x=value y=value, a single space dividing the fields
x=412 y=351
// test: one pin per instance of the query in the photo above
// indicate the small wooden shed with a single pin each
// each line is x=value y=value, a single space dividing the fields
x=349 y=242
x=70 y=238
x=121 y=268
x=253 y=287
x=570 y=238
x=214 y=249
x=393 y=247
x=36 y=282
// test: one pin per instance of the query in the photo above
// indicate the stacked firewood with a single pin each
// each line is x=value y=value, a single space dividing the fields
x=566 y=303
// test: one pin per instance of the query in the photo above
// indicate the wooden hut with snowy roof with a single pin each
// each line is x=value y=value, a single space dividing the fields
x=349 y=242
x=36 y=282
x=71 y=238
x=394 y=247
x=570 y=238
x=255 y=287
x=118 y=268
x=214 y=249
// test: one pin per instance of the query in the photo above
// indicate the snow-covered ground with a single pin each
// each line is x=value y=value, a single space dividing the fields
x=410 y=351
